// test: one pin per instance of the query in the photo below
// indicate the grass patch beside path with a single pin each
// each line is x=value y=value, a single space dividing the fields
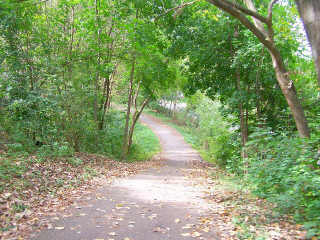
x=145 y=144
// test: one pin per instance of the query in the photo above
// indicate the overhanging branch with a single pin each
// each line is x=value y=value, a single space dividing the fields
x=246 y=11
x=176 y=8
x=270 y=10
x=243 y=19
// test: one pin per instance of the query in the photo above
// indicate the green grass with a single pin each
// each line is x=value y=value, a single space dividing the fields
x=145 y=144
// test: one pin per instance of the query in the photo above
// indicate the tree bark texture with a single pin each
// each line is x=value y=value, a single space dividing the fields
x=310 y=14
x=243 y=119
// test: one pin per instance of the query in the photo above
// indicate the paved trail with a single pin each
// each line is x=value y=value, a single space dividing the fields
x=156 y=204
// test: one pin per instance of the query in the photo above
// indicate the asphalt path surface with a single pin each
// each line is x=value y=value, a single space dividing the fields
x=159 y=203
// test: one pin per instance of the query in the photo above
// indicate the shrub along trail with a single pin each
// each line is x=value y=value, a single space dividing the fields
x=174 y=201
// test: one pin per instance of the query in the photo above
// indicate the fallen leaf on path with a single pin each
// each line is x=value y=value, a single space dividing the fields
x=185 y=234
x=196 y=234
x=206 y=229
x=187 y=226
x=160 y=230
x=59 y=228
x=151 y=217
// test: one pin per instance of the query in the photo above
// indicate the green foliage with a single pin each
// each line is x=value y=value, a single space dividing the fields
x=145 y=144
x=109 y=140
x=203 y=126
x=33 y=117
x=58 y=61
x=74 y=161
x=214 y=132
x=55 y=150
x=284 y=170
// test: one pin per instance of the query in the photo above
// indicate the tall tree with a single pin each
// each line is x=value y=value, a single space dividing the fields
x=310 y=14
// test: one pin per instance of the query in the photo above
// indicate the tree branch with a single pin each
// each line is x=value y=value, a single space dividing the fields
x=242 y=18
x=271 y=4
x=269 y=24
x=175 y=9
x=250 y=5
x=247 y=11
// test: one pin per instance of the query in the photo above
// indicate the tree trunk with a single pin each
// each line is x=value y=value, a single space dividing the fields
x=258 y=93
x=72 y=30
x=107 y=94
x=135 y=119
x=243 y=119
x=266 y=38
x=125 y=144
x=290 y=94
x=174 y=111
x=310 y=14
x=97 y=78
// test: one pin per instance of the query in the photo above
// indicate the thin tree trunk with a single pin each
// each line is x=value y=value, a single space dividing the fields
x=70 y=63
x=258 y=92
x=135 y=119
x=110 y=95
x=243 y=117
x=107 y=94
x=30 y=63
x=125 y=144
x=97 y=79
x=174 y=106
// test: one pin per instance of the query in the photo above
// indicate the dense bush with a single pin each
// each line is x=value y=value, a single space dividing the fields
x=284 y=170
x=214 y=132
x=31 y=120
x=38 y=124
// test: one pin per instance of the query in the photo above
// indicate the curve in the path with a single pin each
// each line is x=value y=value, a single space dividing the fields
x=157 y=204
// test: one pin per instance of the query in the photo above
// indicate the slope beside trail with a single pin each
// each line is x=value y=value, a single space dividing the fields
x=159 y=203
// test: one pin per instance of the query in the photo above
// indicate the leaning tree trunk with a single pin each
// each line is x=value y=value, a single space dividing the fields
x=135 y=119
x=289 y=92
x=267 y=39
x=310 y=14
